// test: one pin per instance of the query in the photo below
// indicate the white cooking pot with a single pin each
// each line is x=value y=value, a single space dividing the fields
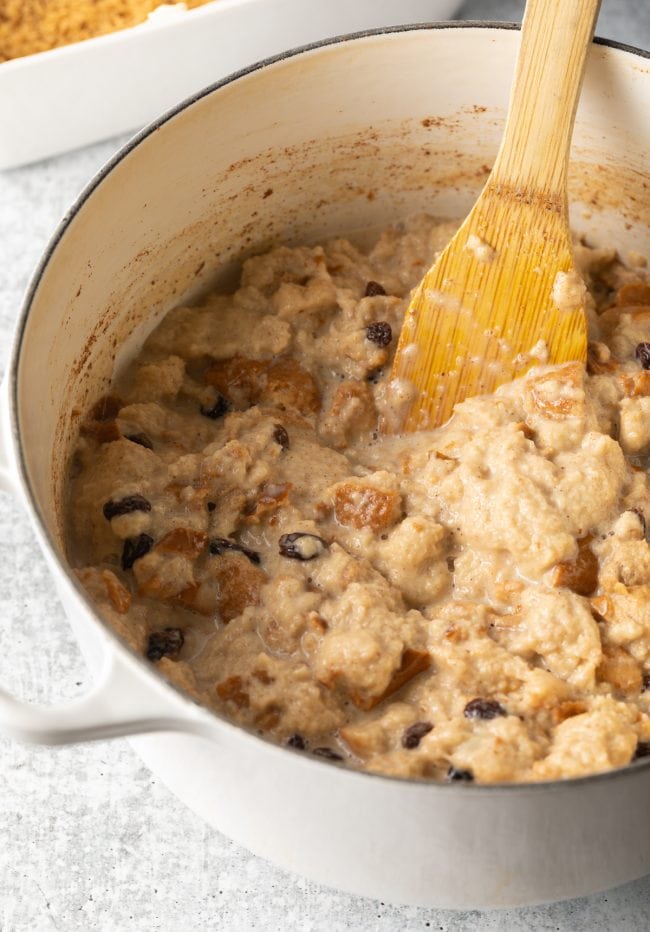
x=345 y=135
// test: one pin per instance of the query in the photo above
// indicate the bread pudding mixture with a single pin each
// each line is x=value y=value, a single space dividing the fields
x=470 y=603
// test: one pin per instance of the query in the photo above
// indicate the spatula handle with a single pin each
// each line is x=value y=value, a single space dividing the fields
x=534 y=152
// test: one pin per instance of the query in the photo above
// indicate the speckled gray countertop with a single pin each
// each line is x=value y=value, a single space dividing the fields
x=89 y=838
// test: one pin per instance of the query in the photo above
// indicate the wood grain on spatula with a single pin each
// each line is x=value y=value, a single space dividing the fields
x=488 y=309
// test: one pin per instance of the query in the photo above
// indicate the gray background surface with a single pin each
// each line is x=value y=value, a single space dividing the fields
x=89 y=839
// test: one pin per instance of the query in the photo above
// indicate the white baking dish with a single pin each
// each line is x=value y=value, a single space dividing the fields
x=71 y=96
x=346 y=135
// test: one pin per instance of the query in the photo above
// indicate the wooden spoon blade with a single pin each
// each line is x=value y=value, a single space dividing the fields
x=489 y=310
x=504 y=295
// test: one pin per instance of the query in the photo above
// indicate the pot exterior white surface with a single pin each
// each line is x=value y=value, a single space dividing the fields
x=334 y=139
x=413 y=844
x=409 y=842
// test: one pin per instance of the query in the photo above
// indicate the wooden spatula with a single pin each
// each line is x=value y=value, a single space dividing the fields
x=488 y=309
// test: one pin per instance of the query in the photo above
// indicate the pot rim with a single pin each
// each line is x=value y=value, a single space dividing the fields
x=46 y=538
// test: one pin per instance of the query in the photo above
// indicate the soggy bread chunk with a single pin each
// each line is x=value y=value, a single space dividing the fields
x=220 y=330
x=579 y=575
x=361 y=504
x=635 y=425
x=281 y=382
x=239 y=583
x=597 y=740
x=152 y=381
x=350 y=414
x=558 y=394
x=108 y=592
x=620 y=670
x=633 y=293
x=559 y=628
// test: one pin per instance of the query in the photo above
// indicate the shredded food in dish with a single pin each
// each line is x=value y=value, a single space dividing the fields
x=29 y=26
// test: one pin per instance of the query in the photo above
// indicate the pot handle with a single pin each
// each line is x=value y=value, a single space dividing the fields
x=118 y=704
x=114 y=708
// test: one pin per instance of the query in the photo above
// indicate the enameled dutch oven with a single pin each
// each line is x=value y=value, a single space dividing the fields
x=340 y=137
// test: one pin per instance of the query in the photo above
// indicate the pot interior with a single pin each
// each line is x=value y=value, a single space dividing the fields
x=341 y=138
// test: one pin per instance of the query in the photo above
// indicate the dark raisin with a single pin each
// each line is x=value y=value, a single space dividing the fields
x=327 y=754
x=165 y=643
x=642 y=750
x=642 y=353
x=218 y=409
x=646 y=682
x=125 y=506
x=281 y=436
x=301 y=546
x=219 y=545
x=211 y=506
x=134 y=548
x=415 y=733
x=140 y=439
x=297 y=742
x=454 y=775
x=483 y=709
x=379 y=333
x=373 y=289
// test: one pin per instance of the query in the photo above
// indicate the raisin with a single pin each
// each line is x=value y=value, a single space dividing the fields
x=140 y=439
x=125 y=506
x=380 y=333
x=327 y=754
x=220 y=407
x=415 y=733
x=281 y=436
x=373 y=289
x=134 y=548
x=642 y=750
x=642 y=353
x=211 y=506
x=646 y=682
x=297 y=742
x=301 y=546
x=454 y=775
x=165 y=643
x=484 y=709
x=219 y=545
